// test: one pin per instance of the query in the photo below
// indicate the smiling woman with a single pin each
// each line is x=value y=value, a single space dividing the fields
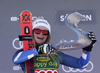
x=46 y=57
x=41 y=31
x=40 y=35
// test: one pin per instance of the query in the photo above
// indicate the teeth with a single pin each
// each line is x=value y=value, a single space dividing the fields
x=39 y=38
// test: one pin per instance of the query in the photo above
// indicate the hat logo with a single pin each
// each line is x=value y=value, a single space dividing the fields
x=42 y=22
x=36 y=22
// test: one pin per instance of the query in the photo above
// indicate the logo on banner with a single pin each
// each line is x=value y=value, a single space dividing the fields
x=17 y=44
x=89 y=14
x=25 y=17
x=47 y=71
x=69 y=69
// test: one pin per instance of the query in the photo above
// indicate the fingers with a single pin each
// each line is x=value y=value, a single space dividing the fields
x=92 y=37
x=47 y=49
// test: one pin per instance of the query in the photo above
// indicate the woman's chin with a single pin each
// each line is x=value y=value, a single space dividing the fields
x=40 y=42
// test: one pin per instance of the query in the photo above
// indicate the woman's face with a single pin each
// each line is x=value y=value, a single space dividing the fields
x=40 y=38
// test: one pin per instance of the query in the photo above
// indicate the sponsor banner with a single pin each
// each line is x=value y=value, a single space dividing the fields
x=46 y=62
x=89 y=14
x=47 y=71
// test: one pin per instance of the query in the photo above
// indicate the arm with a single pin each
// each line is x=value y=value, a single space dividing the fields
x=74 y=62
x=83 y=60
x=23 y=56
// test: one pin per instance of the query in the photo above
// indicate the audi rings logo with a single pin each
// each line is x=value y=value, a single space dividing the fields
x=17 y=44
x=69 y=69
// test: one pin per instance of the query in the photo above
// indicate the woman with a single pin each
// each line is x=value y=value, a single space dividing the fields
x=45 y=57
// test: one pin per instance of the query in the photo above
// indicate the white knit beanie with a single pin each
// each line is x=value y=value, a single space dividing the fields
x=41 y=22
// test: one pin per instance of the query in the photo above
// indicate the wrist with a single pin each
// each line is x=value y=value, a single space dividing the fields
x=88 y=48
x=84 y=51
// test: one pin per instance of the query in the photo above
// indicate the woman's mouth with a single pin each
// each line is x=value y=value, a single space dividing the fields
x=41 y=38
